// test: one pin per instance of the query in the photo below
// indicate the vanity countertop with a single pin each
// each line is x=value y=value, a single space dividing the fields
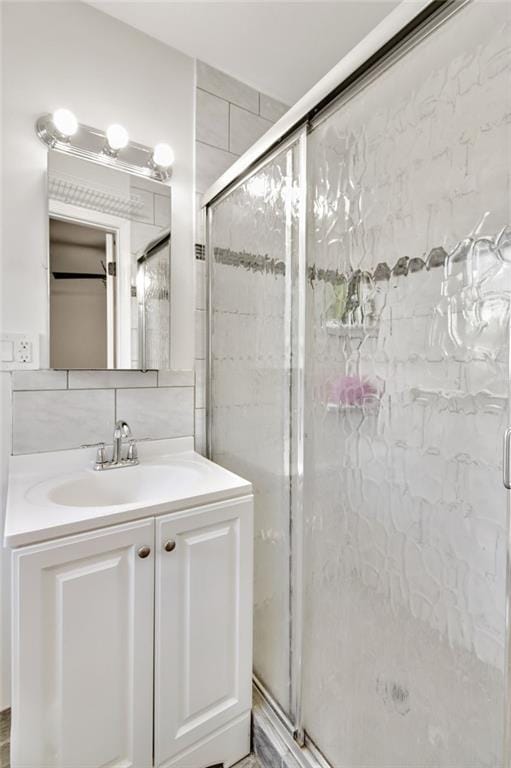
x=58 y=493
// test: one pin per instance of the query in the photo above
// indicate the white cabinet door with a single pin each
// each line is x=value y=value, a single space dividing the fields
x=203 y=625
x=83 y=651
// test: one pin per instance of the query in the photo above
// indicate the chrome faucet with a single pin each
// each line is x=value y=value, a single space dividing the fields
x=121 y=431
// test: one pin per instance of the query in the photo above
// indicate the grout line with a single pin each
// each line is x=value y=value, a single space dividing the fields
x=270 y=122
x=229 y=127
x=60 y=389
x=215 y=95
x=200 y=88
x=221 y=149
x=100 y=389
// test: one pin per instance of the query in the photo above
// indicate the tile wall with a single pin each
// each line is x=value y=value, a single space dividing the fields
x=230 y=117
x=60 y=410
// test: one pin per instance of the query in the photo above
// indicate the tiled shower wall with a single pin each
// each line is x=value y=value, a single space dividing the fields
x=230 y=117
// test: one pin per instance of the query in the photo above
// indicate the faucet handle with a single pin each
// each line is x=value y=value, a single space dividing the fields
x=132 y=451
x=100 y=453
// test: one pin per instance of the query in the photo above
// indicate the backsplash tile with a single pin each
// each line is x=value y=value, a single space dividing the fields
x=81 y=406
x=60 y=419
x=157 y=413
x=112 y=379
x=200 y=383
x=176 y=378
x=39 y=380
x=200 y=431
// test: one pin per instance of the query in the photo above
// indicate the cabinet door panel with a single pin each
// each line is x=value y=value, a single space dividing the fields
x=82 y=651
x=203 y=623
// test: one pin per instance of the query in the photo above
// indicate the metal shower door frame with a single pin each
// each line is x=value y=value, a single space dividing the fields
x=296 y=299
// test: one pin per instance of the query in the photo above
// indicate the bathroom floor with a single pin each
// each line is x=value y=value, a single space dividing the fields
x=248 y=762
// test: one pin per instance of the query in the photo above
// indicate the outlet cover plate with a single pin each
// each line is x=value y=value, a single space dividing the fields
x=19 y=351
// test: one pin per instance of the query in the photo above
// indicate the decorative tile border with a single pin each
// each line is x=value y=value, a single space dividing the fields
x=254 y=262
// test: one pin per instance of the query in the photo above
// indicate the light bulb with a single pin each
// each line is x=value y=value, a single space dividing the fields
x=163 y=155
x=117 y=137
x=65 y=122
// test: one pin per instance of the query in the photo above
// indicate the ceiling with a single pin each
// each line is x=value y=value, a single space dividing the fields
x=280 y=48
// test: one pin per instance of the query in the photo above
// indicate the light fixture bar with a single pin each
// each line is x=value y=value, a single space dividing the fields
x=89 y=144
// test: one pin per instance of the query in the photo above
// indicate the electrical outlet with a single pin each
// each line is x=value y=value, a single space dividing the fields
x=19 y=351
x=23 y=351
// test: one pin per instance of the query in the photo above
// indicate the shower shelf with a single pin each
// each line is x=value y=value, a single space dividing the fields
x=457 y=401
x=370 y=406
x=336 y=328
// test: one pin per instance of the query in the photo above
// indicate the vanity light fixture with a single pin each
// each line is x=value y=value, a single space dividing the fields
x=116 y=139
x=65 y=123
x=62 y=131
x=163 y=156
x=58 y=127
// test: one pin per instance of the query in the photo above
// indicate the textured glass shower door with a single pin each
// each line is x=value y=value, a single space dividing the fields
x=253 y=247
x=153 y=295
x=407 y=392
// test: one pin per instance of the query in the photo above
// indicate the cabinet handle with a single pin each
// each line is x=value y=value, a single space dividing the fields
x=170 y=545
x=144 y=552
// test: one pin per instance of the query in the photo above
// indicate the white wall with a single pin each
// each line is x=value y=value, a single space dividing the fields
x=5 y=449
x=69 y=54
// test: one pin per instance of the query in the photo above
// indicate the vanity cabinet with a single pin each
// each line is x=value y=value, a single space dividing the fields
x=97 y=615
x=203 y=638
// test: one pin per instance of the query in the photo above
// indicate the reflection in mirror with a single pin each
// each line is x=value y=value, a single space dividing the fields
x=109 y=265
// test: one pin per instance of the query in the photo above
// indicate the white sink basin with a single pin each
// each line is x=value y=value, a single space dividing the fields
x=114 y=487
x=59 y=493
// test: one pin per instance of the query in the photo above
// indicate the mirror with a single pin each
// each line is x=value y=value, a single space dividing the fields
x=109 y=267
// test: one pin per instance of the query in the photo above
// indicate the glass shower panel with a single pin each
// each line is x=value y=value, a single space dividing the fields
x=407 y=379
x=253 y=242
x=153 y=294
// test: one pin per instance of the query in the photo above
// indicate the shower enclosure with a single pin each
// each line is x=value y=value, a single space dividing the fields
x=360 y=283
